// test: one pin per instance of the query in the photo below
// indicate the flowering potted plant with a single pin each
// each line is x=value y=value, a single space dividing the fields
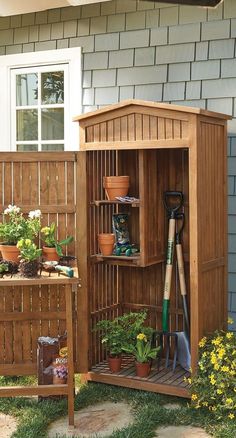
x=213 y=387
x=143 y=353
x=60 y=374
x=16 y=227
x=53 y=249
x=29 y=254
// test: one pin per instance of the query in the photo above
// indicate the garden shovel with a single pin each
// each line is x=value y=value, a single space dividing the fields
x=183 y=344
x=173 y=201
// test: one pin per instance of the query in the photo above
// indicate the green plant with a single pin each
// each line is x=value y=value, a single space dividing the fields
x=133 y=324
x=28 y=250
x=49 y=237
x=142 y=350
x=214 y=385
x=113 y=335
x=15 y=226
x=3 y=268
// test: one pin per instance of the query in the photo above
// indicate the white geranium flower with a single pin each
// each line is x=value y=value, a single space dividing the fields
x=35 y=214
x=12 y=209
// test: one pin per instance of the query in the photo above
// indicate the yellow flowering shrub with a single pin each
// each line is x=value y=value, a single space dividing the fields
x=213 y=387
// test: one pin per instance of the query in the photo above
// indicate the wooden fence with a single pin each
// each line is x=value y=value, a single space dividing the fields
x=44 y=181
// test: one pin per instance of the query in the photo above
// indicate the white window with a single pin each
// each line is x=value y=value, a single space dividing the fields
x=41 y=92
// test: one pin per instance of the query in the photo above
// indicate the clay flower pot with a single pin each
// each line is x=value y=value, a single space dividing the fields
x=114 y=363
x=10 y=253
x=59 y=381
x=106 y=243
x=50 y=254
x=142 y=369
x=115 y=186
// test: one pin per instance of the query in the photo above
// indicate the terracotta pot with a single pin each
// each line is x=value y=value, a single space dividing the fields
x=106 y=243
x=50 y=254
x=114 y=363
x=143 y=369
x=115 y=186
x=58 y=381
x=10 y=253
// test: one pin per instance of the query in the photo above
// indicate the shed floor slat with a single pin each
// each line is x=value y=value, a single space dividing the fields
x=161 y=375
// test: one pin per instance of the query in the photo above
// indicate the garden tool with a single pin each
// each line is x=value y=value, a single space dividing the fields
x=173 y=201
x=184 y=356
x=65 y=270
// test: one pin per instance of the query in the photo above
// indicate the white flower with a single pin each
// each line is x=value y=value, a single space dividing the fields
x=12 y=209
x=35 y=214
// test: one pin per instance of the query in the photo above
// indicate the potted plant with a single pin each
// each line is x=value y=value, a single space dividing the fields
x=3 y=269
x=60 y=374
x=113 y=337
x=29 y=255
x=16 y=227
x=143 y=353
x=52 y=250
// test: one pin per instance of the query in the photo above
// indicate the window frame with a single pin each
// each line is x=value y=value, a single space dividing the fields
x=8 y=63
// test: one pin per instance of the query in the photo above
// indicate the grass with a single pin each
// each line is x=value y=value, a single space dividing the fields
x=148 y=408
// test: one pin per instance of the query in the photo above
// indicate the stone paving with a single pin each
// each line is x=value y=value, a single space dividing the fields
x=100 y=420
x=181 y=432
x=8 y=425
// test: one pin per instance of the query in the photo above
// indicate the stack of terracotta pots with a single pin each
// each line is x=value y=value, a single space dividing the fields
x=115 y=186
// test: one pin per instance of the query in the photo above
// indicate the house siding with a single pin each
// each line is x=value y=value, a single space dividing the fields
x=152 y=51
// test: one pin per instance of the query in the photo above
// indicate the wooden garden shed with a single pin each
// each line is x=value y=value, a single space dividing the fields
x=161 y=147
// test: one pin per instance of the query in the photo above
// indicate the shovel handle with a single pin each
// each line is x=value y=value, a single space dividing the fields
x=180 y=262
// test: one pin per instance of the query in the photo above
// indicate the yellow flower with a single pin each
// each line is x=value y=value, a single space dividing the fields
x=235 y=389
x=194 y=397
x=225 y=369
x=213 y=358
x=142 y=337
x=219 y=391
x=222 y=385
x=189 y=380
x=231 y=416
x=202 y=342
x=217 y=341
x=213 y=381
x=204 y=354
x=221 y=353
x=232 y=372
x=229 y=335
x=213 y=408
x=27 y=242
x=45 y=230
x=230 y=321
x=205 y=403
x=20 y=244
x=229 y=401
x=216 y=366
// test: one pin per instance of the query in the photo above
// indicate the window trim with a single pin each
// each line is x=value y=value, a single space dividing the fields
x=72 y=57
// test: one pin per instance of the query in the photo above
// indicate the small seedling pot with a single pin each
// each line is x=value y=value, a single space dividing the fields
x=114 y=363
x=106 y=243
x=142 y=369
x=116 y=186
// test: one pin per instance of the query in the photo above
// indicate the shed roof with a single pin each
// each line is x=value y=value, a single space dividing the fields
x=163 y=106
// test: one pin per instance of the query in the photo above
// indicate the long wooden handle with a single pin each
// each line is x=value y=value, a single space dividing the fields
x=168 y=275
x=180 y=262
x=169 y=259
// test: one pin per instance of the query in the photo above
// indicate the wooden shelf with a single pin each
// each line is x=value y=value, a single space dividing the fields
x=133 y=260
x=97 y=203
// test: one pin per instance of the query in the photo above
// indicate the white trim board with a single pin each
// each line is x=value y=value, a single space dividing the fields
x=72 y=57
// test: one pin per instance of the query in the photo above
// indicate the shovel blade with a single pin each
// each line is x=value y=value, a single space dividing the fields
x=184 y=356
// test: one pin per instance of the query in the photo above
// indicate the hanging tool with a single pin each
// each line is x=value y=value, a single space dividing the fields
x=183 y=344
x=173 y=201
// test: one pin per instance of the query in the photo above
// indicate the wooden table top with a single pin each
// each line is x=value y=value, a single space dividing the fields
x=17 y=280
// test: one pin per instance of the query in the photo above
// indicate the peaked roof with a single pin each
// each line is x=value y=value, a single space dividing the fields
x=134 y=102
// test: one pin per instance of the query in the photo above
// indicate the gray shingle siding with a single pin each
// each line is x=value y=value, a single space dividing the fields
x=153 y=51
